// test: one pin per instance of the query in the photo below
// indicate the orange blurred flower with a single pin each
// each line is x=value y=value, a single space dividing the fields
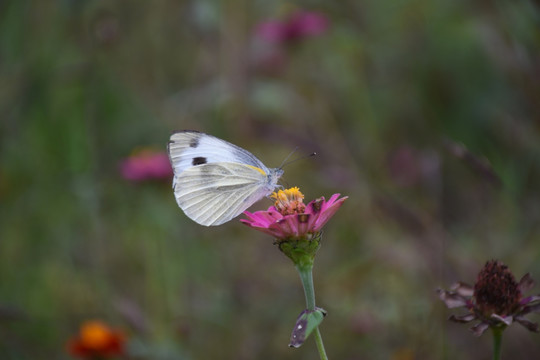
x=96 y=340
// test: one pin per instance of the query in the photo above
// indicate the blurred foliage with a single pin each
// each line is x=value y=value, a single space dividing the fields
x=425 y=113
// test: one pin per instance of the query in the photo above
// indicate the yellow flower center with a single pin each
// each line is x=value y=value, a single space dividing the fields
x=289 y=201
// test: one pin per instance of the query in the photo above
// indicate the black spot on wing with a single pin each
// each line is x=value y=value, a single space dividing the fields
x=199 y=160
x=194 y=142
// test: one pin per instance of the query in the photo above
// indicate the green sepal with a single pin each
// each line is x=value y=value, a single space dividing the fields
x=307 y=321
x=301 y=250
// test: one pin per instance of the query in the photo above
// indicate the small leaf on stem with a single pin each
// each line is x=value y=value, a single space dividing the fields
x=307 y=321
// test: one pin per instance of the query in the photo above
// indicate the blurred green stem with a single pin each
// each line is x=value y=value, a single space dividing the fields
x=497 y=336
x=306 y=275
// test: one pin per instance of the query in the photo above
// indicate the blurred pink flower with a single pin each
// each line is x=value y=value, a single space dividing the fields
x=291 y=218
x=303 y=24
x=404 y=166
x=408 y=166
x=146 y=164
x=271 y=30
x=299 y=25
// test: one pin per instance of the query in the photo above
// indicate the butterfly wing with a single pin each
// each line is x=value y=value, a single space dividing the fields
x=214 y=193
x=214 y=180
x=188 y=148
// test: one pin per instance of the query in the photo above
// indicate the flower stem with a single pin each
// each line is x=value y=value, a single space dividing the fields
x=306 y=275
x=320 y=345
x=497 y=336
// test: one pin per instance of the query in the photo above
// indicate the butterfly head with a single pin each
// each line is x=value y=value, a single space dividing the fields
x=273 y=177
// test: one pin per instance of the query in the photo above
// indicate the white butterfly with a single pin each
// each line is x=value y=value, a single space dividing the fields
x=214 y=180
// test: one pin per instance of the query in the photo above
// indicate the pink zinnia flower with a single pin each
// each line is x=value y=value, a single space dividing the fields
x=299 y=25
x=290 y=218
x=146 y=164
x=297 y=229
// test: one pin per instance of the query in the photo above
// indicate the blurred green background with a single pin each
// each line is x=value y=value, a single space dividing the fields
x=425 y=113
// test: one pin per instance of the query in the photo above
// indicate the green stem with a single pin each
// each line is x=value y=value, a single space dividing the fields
x=320 y=345
x=497 y=336
x=306 y=275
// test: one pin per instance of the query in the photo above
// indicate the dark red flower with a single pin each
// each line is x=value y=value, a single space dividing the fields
x=496 y=299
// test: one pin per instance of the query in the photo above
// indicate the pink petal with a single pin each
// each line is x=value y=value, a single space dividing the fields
x=463 y=289
x=287 y=226
x=312 y=221
x=263 y=218
x=278 y=231
x=331 y=201
x=327 y=214
x=462 y=318
x=310 y=207
x=267 y=230
x=530 y=299
x=322 y=204
x=303 y=221
x=528 y=324
x=452 y=299
x=507 y=320
x=479 y=328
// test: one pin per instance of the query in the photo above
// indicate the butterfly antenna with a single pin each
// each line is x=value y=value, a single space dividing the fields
x=285 y=162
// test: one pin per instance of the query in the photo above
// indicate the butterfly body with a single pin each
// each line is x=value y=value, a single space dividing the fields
x=214 y=180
